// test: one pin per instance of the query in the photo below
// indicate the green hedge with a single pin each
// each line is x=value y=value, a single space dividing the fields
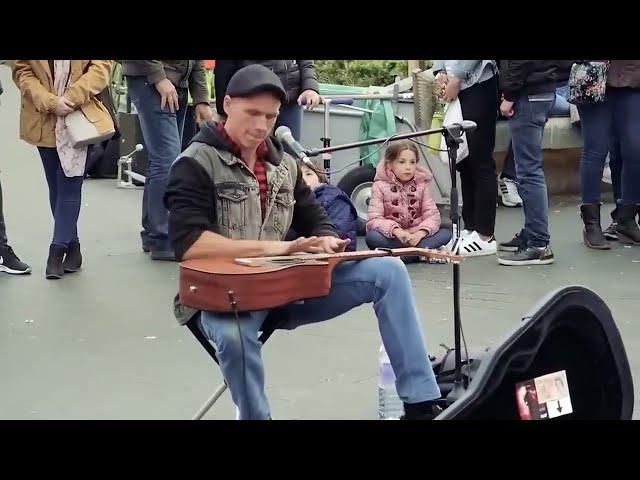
x=362 y=73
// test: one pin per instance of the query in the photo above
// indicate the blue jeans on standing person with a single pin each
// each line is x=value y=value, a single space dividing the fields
x=560 y=105
x=381 y=281
x=613 y=124
x=162 y=133
x=527 y=127
x=291 y=116
x=65 y=197
x=560 y=109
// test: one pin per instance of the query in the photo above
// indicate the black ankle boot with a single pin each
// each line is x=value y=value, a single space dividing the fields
x=54 y=262
x=592 y=232
x=627 y=228
x=73 y=258
x=421 y=411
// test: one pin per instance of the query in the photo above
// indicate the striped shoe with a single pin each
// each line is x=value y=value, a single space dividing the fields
x=473 y=246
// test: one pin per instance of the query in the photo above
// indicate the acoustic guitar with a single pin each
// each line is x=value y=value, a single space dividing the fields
x=260 y=283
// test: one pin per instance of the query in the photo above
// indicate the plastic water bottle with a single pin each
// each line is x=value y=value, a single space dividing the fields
x=390 y=407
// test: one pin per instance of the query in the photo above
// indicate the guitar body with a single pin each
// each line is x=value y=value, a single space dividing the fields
x=262 y=283
x=205 y=284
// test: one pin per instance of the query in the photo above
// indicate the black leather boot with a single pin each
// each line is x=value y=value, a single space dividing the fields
x=54 y=262
x=592 y=232
x=73 y=258
x=627 y=228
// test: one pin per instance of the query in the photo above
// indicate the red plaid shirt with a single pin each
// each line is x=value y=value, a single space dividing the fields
x=259 y=168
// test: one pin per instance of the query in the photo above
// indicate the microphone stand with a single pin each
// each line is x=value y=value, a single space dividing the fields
x=453 y=138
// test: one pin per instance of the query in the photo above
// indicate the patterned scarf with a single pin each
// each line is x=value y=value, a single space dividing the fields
x=72 y=159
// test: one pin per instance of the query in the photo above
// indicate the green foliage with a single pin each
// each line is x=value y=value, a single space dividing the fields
x=361 y=73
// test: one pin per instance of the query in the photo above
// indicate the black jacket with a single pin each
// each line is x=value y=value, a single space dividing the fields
x=182 y=73
x=190 y=198
x=564 y=69
x=527 y=76
x=296 y=76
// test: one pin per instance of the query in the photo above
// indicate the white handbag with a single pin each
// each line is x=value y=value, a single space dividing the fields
x=83 y=131
x=453 y=114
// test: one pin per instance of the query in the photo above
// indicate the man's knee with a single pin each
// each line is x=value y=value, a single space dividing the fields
x=387 y=271
x=227 y=335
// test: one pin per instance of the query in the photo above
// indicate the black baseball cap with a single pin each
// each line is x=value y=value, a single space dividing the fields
x=254 y=79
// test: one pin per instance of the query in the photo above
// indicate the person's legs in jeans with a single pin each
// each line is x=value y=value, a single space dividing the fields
x=9 y=261
x=381 y=281
x=162 y=133
x=438 y=239
x=480 y=104
x=615 y=164
x=527 y=128
x=596 y=123
x=374 y=239
x=3 y=227
x=291 y=116
x=65 y=197
x=626 y=119
x=560 y=105
x=509 y=167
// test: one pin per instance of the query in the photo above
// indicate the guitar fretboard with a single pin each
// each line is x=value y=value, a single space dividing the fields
x=362 y=254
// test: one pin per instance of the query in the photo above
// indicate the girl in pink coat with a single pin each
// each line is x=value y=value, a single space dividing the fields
x=402 y=212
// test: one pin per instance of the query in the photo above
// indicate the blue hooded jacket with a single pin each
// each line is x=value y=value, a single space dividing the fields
x=340 y=210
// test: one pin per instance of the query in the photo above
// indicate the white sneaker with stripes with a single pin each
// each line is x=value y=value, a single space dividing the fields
x=453 y=245
x=509 y=193
x=473 y=246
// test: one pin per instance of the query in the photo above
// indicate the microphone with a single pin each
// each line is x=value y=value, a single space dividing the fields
x=284 y=136
x=466 y=125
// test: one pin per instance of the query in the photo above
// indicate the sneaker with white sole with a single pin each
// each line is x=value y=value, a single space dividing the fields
x=453 y=243
x=509 y=193
x=528 y=256
x=513 y=245
x=473 y=246
x=10 y=263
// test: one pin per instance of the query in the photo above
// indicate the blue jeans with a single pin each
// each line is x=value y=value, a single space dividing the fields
x=291 y=116
x=612 y=124
x=65 y=197
x=381 y=281
x=375 y=240
x=527 y=127
x=615 y=164
x=560 y=105
x=162 y=133
x=3 y=229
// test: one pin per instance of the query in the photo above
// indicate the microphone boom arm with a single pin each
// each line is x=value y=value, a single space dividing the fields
x=455 y=130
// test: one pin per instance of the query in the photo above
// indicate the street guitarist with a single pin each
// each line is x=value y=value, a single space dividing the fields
x=234 y=192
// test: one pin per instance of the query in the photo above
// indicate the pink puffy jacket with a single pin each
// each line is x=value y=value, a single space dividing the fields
x=409 y=206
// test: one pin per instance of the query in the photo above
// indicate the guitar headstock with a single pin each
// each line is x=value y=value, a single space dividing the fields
x=425 y=252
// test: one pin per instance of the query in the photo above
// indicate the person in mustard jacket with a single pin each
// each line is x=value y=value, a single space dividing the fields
x=50 y=90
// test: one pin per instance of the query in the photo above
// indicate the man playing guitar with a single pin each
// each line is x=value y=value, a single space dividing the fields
x=235 y=193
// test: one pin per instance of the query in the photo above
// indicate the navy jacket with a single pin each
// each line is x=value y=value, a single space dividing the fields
x=340 y=211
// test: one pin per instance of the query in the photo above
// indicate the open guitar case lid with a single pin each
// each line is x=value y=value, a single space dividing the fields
x=570 y=329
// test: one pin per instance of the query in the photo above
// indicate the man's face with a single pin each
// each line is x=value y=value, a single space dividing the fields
x=250 y=120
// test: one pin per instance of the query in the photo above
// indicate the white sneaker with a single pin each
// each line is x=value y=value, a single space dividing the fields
x=473 y=246
x=509 y=193
x=451 y=246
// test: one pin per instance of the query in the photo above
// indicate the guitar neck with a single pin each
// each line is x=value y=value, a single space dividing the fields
x=360 y=255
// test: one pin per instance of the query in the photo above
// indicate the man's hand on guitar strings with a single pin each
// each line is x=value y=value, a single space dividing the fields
x=334 y=245
x=316 y=245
